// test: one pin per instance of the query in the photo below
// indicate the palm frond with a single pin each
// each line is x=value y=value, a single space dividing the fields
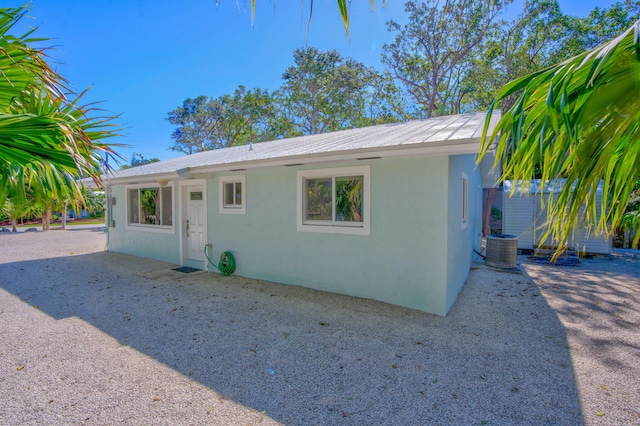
x=45 y=133
x=578 y=120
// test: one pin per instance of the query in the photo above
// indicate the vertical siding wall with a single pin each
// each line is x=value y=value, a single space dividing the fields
x=517 y=218
x=587 y=240
x=403 y=261
x=141 y=242
x=461 y=242
x=524 y=216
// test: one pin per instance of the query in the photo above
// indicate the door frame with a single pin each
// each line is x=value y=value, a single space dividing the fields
x=182 y=202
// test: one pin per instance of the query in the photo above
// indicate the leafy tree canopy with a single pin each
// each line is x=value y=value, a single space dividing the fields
x=324 y=92
x=321 y=92
x=139 y=160
x=431 y=54
x=211 y=123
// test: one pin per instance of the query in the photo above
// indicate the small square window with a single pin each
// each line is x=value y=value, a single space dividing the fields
x=232 y=196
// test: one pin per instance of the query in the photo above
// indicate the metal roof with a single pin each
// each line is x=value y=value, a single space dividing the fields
x=454 y=134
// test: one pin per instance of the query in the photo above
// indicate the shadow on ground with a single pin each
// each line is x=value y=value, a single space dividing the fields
x=303 y=356
x=595 y=298
x=599 y=305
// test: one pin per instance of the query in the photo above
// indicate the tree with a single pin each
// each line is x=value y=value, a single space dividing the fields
x=577 y=120
x=536 y=38
x=252 y=116
x=17 y=206
x=321 y=92
x=383 y=103
x=324 y=92
x=432 y=53
x=139 y=160
x=242 y=117
x=197 y=119
x=602 y=25
x=94 y=202
x=43 y=127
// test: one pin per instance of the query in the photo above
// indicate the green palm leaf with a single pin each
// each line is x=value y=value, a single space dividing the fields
x=46 y=140
x=343 y=8
x=578 y=120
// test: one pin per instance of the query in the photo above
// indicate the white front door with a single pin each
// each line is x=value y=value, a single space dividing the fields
x=195 y=224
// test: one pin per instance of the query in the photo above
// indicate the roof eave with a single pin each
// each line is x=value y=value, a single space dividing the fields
x=152 y=177
x=423 y=149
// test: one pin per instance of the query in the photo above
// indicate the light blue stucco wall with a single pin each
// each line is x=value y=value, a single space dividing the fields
x=462 y=241
x=140 y=241
x=415 y=256
x=402 y=261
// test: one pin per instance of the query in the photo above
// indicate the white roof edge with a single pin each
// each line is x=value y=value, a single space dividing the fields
x=141 y=178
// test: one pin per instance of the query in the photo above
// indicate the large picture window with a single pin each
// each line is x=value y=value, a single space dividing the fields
x=150 y=206
x=334 y=200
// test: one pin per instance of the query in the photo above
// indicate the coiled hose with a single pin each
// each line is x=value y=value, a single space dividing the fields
x=226 y=264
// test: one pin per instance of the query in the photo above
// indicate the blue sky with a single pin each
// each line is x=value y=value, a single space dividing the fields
x=143 y=58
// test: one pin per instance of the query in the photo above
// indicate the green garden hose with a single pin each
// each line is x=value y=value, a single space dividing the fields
x=226 y=263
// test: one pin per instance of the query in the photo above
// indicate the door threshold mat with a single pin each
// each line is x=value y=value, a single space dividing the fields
x=186 y=269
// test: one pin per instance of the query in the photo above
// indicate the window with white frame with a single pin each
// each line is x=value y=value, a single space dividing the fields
x=334 y=200
x=465 y=201
x=232 y=194
x=150 y=206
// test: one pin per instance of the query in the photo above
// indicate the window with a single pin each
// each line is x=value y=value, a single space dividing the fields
x=465 y=201
x=334 y=200
x=150 y=206
x=232 y=195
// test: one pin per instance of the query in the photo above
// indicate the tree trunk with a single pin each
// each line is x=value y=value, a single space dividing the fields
x=486 y=216
x=14 y=224
x=46 y=218
x=64 y=216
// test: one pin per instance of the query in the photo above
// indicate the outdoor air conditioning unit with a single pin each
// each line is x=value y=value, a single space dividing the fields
x=502 y=251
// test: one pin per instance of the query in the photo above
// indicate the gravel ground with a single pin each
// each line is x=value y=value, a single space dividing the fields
x=91 y=337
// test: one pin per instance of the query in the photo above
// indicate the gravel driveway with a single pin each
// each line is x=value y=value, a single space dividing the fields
x=92 y=337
